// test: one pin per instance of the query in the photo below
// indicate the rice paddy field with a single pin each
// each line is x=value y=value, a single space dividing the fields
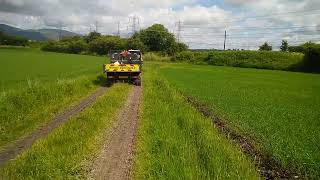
x=279 y=109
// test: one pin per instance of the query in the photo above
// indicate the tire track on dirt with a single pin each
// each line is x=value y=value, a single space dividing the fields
x=115 y=160
x=11 y=151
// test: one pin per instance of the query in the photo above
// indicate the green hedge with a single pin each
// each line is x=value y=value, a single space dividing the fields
x=250 y=59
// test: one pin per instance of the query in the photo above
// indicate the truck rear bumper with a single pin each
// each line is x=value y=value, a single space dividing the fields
x=123 y=75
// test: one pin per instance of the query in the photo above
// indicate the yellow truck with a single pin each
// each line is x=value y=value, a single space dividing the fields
x=124 y=66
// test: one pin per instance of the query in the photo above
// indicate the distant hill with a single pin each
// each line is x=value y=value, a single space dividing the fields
x=36 y=34
x=54 y=33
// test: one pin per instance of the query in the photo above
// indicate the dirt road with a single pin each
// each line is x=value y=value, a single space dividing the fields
x=11 y=151
x=115 y=160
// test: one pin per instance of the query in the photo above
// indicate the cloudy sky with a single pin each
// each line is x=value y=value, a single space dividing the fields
x=248 y=23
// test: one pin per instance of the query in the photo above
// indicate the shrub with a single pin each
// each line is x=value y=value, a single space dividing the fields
x=265 y=47
x=76 y=47
x=135 y=43
x=311 y=61
x=103 y=45
x=12 y=40
x=155 y=57
x=252 y=59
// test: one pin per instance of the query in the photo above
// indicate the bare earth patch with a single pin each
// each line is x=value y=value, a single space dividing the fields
x=115 y=160
x=12 y=150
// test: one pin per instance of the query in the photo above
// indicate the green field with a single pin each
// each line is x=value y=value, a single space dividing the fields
x=176 y=142
x=36 y=85
x=280 y=109
x=20 y=66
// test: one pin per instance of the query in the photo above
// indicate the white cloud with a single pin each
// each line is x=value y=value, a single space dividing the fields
x=203 y=27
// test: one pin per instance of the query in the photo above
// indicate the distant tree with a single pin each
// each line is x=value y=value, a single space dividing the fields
x=284 y=46
x=135 y=43
x=156 y=38
x=265 y=47
x=104 y=44
x=92 y=36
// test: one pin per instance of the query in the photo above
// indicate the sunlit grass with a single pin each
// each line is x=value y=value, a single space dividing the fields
x=66 y=152
x=279 y=108
x=176 y=142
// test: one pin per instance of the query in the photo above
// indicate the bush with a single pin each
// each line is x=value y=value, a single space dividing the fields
x=103 y=45
x=12 y=40
x=155 y=57
x=184 y=56
x=251 y=59
x=135 y=43
x=265 y=47
x=311 y=61
x=76 y=47
x=69 y=45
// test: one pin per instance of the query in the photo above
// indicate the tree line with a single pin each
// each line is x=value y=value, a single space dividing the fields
x=155 y=38
x=12 y=40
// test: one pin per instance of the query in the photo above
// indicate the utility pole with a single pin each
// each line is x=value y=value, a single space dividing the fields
x=135 y=23
x=225 y=37
x=60 y=31
x=118 y=29
x=179 y=30
x=96 y=24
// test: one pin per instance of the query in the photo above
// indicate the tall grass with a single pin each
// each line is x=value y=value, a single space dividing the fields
x=67 y=151
x=280 y=109
x=23 y=110
x=155 y=57
x=176 y=142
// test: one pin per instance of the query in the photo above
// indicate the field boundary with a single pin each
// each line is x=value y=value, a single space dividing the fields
x=266 y=165
x=12 y=150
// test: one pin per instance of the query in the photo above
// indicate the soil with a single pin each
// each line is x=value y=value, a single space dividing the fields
x=266 y=165
x=115 y=159
x=11 y=151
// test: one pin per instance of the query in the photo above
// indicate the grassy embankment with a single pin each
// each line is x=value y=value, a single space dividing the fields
x=175 y=142
x=36 y=85
x=281 y=109
x=67 y=151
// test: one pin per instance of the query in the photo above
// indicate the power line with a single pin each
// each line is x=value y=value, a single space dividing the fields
x=96 y=25
x=118 y=33
x=60 y=31
x=225 y=37
x=178 y=24
x=135 y=23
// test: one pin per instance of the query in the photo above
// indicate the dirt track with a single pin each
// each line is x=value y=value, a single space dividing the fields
x=115 y=160
x=12 y=150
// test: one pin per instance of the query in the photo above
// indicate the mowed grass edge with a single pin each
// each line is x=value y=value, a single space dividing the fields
x=67 y=151
x=175 y=142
